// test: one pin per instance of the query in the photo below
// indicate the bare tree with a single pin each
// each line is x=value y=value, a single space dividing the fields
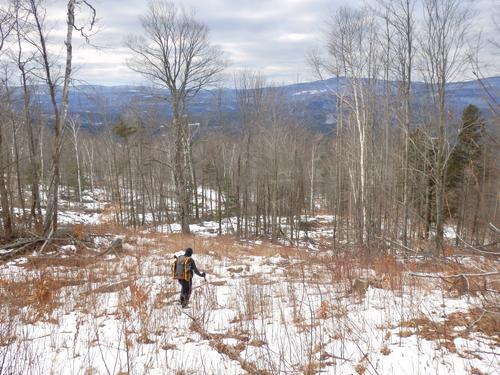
x=446 y=27
x=6 y=27
x=23 y=61
x=352 y=48
x=4 y=196
x=89 y=152
x=74 y=125
x=175 y=52
x=7 y=17
x=400 y=17
x=493 y=46
x=60 y=110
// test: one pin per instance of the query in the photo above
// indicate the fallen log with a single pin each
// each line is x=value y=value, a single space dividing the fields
x=18 y=248
x=19 y=243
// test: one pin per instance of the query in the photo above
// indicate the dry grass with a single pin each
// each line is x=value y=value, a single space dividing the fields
x=360 y=368
x=110 y=288
x=324 y=310
x=470 y=285
x=38 y=290
x=391 y=272
x=142 y=303
x=457 y=324
x=385 y=350
x=44 y=262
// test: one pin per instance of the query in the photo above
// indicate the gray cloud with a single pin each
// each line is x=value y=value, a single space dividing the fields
x=271 y=36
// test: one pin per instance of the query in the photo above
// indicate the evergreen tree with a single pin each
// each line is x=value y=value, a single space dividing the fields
x=124 y=130
x=466 y=155
x=421 y=155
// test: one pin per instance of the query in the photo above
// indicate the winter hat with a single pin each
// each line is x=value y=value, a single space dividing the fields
x=188 y=252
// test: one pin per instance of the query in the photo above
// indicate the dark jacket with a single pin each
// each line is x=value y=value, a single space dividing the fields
x=194 y=269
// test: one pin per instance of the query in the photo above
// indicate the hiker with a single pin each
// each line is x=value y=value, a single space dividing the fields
x=182 y=270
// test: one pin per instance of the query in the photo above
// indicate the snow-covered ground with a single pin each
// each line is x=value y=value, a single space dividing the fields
x=264 y=309
x=88 y=211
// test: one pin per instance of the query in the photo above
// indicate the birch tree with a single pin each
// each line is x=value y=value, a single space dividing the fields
x=74 y=125
x=352 y=48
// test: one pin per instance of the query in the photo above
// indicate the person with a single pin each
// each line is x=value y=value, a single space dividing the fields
x=183 y=269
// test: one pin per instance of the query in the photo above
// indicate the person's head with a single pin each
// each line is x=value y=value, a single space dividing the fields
x=188 y=252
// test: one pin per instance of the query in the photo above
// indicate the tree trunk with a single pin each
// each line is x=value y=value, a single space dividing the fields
x=50 y=224
x=179 y=169
x=4 y=200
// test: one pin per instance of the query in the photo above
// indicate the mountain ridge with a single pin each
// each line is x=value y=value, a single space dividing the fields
x=310 y=102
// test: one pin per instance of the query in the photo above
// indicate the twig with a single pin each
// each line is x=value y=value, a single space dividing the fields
x=494 y=228
x=468 y=288
x=47 y=240
x=398 y=244
x=432 y=276
x=481 y=351
x=16 y=251
x=19 y=243
x=477 y=320
x=478 y=250
x=160 y=162
x=116 y=246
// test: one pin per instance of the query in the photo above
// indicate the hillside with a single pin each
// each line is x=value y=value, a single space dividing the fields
x=263 y=308
x=311 y=103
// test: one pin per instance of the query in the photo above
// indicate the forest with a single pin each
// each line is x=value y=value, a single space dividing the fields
x=400 y=184
x=393 y=166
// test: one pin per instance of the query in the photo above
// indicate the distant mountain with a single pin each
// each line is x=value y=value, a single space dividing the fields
x=311 y=103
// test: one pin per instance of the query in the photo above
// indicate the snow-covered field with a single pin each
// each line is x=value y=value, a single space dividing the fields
x=264 y=309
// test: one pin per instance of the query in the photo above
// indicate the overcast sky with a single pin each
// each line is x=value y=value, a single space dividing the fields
x=269 y=36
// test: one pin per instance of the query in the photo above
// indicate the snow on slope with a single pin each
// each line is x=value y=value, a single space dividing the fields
x=265 y=309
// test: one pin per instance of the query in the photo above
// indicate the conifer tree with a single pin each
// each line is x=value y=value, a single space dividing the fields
x=464 y=166
x=466 y=155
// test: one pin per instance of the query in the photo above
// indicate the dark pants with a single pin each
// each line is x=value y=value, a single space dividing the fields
x=185 y=291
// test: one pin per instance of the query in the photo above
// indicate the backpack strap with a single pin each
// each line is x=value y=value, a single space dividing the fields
x=172 y=267
x=187 y=270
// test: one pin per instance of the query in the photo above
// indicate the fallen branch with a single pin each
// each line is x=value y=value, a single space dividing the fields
x=115 y=247
x=433 y=276
x=60 y=235
x=19 y=243
x=463 y=276
x=47 y=241
x=18 y=247
x=399 y=244
x=494 y=228
x=14 y=252
x=479 y=250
